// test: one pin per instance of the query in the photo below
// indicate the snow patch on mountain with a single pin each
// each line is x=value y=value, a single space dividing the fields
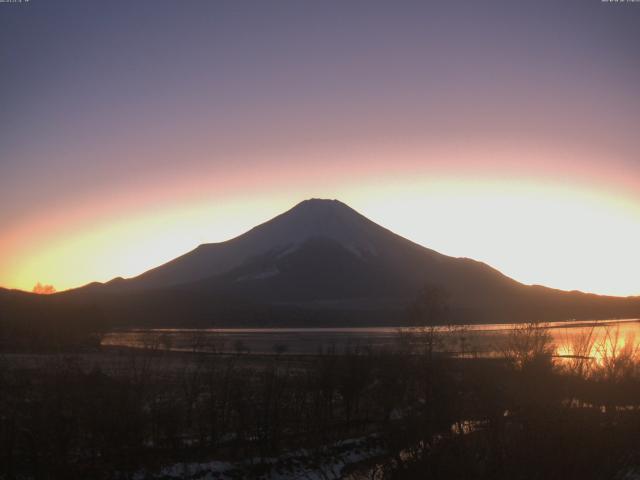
x=280 y=236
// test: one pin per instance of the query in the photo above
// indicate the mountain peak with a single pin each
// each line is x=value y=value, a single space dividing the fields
x=317 y=217
x=320 y=201
x=321 y=204
x=309 y=220
x=324 y=256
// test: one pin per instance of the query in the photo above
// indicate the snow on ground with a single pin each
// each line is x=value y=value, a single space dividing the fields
x=327 y=462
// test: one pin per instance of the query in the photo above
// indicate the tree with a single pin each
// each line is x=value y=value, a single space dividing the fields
x=429 y=311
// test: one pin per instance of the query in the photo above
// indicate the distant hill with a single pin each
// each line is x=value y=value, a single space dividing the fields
x=33 y=322
x=323 y=264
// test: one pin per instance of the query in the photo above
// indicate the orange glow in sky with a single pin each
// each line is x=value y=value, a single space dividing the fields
x=503 y=131
x=568 y=236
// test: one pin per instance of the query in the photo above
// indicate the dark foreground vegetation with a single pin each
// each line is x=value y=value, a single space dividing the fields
x=45 y=323
x=415 y=413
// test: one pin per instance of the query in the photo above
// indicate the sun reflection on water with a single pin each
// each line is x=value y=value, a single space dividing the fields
x=609 y=350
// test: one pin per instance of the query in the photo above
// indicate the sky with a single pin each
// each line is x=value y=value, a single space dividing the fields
x=503 y=131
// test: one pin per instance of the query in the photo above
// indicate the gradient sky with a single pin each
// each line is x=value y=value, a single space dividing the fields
x=504 y=131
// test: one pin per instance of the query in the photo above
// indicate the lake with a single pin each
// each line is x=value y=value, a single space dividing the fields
x=569 y=338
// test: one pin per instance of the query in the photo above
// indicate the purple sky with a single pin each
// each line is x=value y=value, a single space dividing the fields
x=113 y=109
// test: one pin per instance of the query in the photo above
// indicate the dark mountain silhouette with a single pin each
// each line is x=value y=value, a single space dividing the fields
x=322 y=263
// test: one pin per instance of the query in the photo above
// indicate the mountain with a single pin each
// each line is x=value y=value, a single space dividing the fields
x=322 y=263
x=329 y=220
x=315 y=240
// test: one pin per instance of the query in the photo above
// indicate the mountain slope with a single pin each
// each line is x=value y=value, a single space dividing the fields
x=329 y=219
x=319 y=250
x=322 y=263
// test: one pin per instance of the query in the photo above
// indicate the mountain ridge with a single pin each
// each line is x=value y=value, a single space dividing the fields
x=309 y=218
x=321 y=263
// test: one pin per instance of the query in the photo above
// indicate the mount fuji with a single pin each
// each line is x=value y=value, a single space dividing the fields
x=321 y=263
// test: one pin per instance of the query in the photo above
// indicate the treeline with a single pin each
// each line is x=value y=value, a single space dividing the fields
x=520 y=415
x=39 y=323
x=117 y=307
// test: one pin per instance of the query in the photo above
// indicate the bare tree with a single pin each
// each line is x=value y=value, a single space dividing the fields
x=528 y=344
x=616 y=356
x=429 y=313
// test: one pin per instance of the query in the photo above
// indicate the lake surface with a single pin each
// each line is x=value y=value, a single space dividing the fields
x=568 y=338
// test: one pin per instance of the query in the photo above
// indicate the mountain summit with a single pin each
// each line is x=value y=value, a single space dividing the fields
x=322 y=263
x=330 y=220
